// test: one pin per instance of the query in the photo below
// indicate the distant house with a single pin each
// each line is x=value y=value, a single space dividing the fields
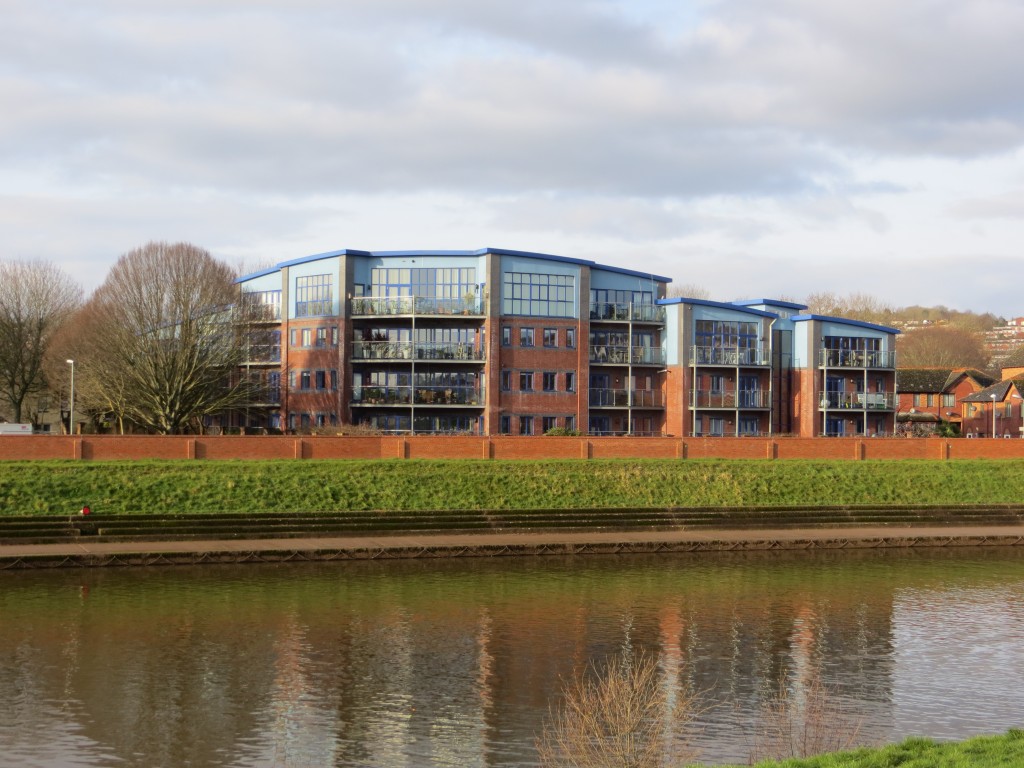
x=995 y=411
x=934 y=395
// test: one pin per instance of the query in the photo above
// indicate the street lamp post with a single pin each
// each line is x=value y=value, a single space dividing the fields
x=993 y=396
x=71 y=403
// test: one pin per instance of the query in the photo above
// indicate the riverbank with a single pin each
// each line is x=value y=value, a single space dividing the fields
x=87 y=553
x=979 y=752
x=188 y=487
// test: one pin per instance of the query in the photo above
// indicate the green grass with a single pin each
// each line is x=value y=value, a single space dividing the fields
x=55 y=487
x=980 y=752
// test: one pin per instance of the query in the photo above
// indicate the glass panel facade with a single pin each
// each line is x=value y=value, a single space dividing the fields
x=424 y=282
x=314 y=295
x=539 y=295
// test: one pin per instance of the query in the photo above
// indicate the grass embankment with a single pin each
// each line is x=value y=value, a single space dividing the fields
x=980 y=752
x=48 y=488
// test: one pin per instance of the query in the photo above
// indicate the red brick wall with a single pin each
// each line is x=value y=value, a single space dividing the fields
x=111 y=447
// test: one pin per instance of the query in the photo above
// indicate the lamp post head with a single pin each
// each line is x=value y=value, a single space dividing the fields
x=71 y=362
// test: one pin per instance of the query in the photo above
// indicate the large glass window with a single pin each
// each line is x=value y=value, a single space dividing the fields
x=539 y=295
x=266 y=303
x=314 y=295
x=424 y=282
x=606 y=304
x=729 y=335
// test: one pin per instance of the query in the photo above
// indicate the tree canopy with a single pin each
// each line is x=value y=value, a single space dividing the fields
x=163 y=338
x=36 y=298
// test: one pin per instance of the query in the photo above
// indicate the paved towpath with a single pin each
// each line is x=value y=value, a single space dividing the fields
x=83 y=552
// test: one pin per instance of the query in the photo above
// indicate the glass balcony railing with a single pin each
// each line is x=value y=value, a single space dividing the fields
x=844 y=358
x=418 y=395
x=620 y=398
x=736 y=356
x=624 y=312
x=744 y=398
x=407 y=350
x=614 y=355
x=415 y=305
x=862 y=401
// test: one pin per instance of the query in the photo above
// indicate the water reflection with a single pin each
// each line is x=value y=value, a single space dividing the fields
x=455 y=663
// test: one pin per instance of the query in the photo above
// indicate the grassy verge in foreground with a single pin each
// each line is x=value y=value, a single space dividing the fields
x=46 y=488
x=980 y=752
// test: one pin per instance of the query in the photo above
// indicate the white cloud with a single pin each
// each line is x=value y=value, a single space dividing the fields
x=761 y=140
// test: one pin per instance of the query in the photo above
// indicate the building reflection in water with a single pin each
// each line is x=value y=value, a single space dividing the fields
x=456 y=663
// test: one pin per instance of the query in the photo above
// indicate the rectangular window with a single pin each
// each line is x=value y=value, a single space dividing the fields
x=548 y=423
x=506 y=381
x=538 y=295
x=717 y=384
x=452 y=288
x=506 y=336
x=526 y=337
x=931 y=401
x=918 y=400
x=570 y=423
x=570 y=381
x=526 y=381
x=321 y=379
x=307 y=337
x=321 y=337
x=716 y=426
x=266 y=304
x=304 y=380
x=526 y=425
x=314 y=295
x=949 y=401
x=334 y=379
x=548 y=382
x=505 y=426
x=550 y=337
x=570 y=338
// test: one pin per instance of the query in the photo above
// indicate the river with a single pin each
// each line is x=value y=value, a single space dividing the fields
x=456 y=662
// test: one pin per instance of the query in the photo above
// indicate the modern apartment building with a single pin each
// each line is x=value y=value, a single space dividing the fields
x=495 y=341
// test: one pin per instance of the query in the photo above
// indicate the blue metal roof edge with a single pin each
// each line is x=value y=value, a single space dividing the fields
x=477 y=252
x=716 y=304
x=846 y=321
x=770 y=302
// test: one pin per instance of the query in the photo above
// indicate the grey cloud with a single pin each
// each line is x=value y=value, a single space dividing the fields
x=1009 y=205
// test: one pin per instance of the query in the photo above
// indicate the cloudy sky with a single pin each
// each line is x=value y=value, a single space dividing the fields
x=751 y=147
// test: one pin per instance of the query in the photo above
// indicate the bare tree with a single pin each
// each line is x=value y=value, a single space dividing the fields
x=620 y=717
x=855 y=306
x=168 y=336
x=35 y=299
x=688 y=291
x=941 y=346
x=810 y=719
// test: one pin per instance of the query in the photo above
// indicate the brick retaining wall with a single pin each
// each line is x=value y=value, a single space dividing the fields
x=115 y=447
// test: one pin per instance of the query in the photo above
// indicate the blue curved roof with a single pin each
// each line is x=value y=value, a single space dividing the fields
x=477 y=252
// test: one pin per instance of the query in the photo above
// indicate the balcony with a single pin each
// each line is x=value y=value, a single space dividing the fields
x=373 y=306
x=616 y=355
x=620 y=398
x=860 y=401
x=263 y=355
x=407 y=350
x=744 y=399
x=725 y=356
x=843 y=358
x=624 y=313
x=268 y=398
x=419 y=395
